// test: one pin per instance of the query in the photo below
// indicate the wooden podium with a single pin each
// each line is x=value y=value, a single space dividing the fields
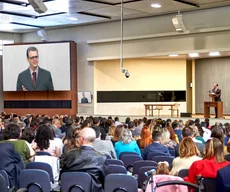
x=213 y=103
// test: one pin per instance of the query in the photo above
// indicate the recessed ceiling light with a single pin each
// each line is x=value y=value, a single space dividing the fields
x=214 y=53
x=73 y=18
x=193 y=54
x=155 y=5
x=173 y=55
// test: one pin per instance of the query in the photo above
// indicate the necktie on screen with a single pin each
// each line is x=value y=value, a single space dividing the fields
x=34 y=78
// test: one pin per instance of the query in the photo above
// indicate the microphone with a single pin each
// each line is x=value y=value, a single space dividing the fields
x=150 y=172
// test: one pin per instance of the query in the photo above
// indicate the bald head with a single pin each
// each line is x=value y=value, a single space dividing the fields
x=88 y=134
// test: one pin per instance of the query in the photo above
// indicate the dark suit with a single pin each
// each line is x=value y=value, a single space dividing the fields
x=217 y=98
x=43 y=83
x=86 y=159
x=155 y=147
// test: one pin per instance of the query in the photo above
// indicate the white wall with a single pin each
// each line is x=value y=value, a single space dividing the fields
x=210 y=18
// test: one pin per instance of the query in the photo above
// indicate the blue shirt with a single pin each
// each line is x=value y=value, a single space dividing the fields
x=127 y=147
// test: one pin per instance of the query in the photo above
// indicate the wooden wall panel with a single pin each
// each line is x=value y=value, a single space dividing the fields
x=49 y=95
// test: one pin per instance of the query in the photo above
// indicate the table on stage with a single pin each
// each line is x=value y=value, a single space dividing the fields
x=149 y=107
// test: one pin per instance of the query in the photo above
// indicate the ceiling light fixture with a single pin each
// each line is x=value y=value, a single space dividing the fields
x=173 y=55
x=155 y=5
x=193 y=54
x=178 y=23
x=73 y=18
x=216 y=53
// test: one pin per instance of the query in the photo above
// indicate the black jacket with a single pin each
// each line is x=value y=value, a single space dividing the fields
x=86 y=159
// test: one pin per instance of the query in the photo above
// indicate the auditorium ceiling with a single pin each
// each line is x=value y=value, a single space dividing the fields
x=19 y=16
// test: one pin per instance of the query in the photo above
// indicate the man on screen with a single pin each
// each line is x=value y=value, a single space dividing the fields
x=217 y=91
x=34 y=78
x=84 y=99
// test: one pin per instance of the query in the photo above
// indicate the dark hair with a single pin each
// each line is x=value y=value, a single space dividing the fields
x=30 y=49
x=97 y=130
x=175 y=124
x=163 y=123
x=28 y=135
x=156 y=135
x=187 y=132
x=218 y=133
x=116 y=118
x=84 y=124
x=96 y=120
x=110 y=118
x=108 y=122
x=77 y=120
x=197 y=121
x=140 y=121
x=12 y=131
x=42 y=137
x=127 y=120
x=200 y=129
x=131 y=124
x=73 y=139
x=65 y=119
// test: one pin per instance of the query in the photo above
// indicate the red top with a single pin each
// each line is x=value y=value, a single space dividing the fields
x=207 y=168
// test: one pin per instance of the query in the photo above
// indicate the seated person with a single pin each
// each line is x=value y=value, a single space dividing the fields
x=213 y=161
x=126 y=144
x=156 y=146
x=86 y=159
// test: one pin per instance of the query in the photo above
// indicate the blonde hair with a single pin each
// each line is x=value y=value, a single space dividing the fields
x=165 y=136
x=111 y=130
x=126 y=136
x=188 y=148
x=162 y=168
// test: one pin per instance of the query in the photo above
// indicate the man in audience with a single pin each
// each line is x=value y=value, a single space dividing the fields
x=189 y=132
x=56 y=124
x=131 y=126
x=103 y=146
x=86 y=159
x=34 y=78
x=156 y=146
x=116 y=119
x=139 y=126
x=177 y=130
x=96 y=123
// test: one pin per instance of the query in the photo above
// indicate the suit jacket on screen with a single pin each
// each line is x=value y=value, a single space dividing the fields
x=43 y=83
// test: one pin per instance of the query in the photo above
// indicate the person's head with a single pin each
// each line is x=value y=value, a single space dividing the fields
x=111 y=130
x=108 y=122
x=197 y=121
x=187 y=132
x=127 y=120
x=215 y=85
x=117 y=133
x=56 y=122
x=97 y=131
x=214 y=149
x=32 y=57
x=116 y=119
x=175 y=124
x=181 y=124
x=188 y=148
x=96 y=121
x=146 y=137
x=126 y=136
x=200 y=129
x=85 y=124
x=28 y=135
x=12 y=131
x=162 y=168
x=141 y=122
x=131 y=125
x=156 y=135
x=88 y=135
x=83 y=94
x=43 y=136
x=72 y=139
x=165 y=136
x=217 y=132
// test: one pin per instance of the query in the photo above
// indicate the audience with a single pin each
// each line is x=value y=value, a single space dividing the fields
x=146 y=138
x=117 y=134
x=165 y=139
x=126 y=144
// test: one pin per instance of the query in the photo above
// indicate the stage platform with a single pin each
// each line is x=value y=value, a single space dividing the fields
x=212 y=119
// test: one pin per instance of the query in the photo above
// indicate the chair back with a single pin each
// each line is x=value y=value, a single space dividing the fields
x=35 y=180
x=129 y=160
x=163 y=158
x=183 y=173
x=3 y=185
x=127 y=153
x=41 y=166
x=76 y=182
x=42 y=153
x=117 y=169
x=141 y=174
x=155 y=153
x=209 y=184
x=114 y=162
x=138 y=164
x=6 y=177
x=172 y=152
x=120 y=182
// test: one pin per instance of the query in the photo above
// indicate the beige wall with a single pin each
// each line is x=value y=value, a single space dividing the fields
x=145 y=74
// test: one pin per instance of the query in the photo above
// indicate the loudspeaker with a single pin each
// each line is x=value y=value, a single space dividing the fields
x=178 y=23
x=186 y=114
x=42 y=33
x=38 y=5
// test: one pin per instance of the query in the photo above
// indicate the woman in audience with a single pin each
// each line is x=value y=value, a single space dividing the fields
x=213 y=161
x=146 y=138
x=12 y=134
x=218 y=133
x=127 y=144
x=117 y=134
x=165 y=139
x=44 y=141
x=72 y=140
x=200 y=133
x=85 y=124
x=111 y=132
x=188 y=152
